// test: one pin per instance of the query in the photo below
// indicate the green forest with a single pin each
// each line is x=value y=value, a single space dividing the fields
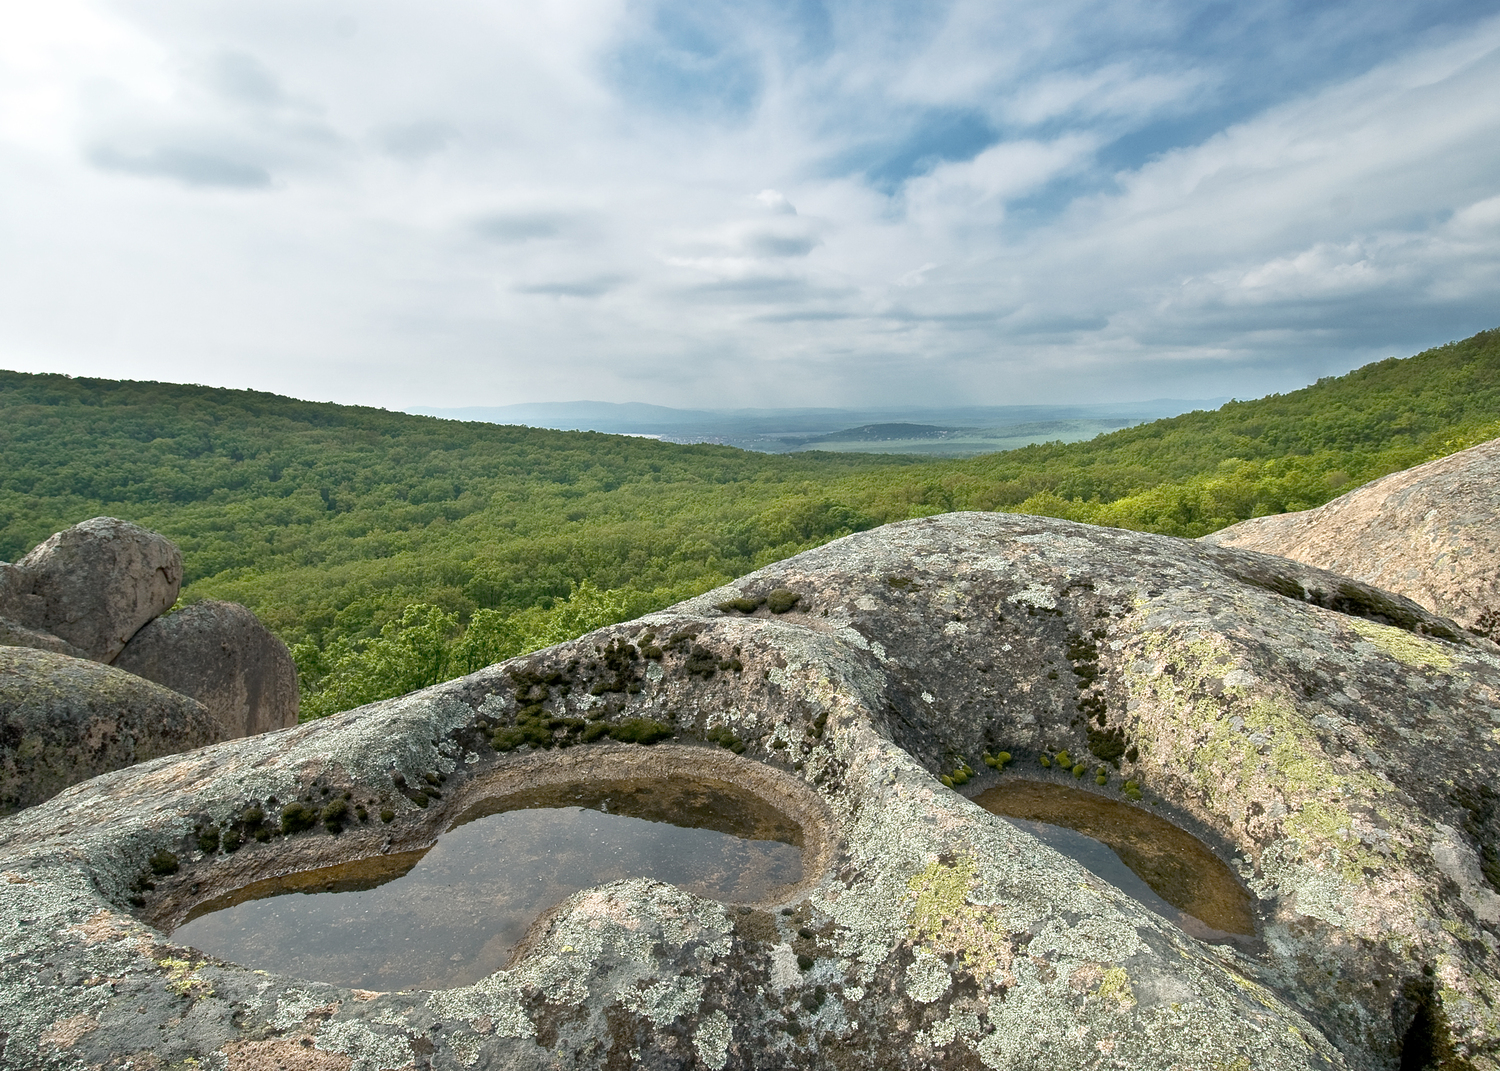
x=393 y=551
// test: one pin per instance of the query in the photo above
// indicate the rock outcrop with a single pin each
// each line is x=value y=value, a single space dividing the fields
x=1337 y=745
x=221 y=655
x=95 y=584
x=1431 y=533
x=63 y=720
x=95 y=591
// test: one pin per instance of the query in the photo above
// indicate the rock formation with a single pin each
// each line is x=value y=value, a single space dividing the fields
x=97 y=583
x=63 y=720
x=221 y=655
x=1337 y=745
x=95 y=591
x=1429 y=533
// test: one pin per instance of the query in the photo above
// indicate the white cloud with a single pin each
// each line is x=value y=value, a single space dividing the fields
x=397 y=206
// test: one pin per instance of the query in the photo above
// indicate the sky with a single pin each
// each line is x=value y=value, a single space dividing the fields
x=695 y=203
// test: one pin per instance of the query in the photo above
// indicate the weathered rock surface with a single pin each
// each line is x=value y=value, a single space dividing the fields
x=97 y=583
x=14 y=634
x=1322 y=736
x=1431 y=533
x=220 y=654
x=64 y=720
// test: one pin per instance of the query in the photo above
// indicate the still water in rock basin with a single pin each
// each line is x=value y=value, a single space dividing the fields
x=1165 y=868
x=454 y=914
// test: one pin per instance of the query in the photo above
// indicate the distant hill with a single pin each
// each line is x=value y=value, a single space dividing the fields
x=881 y=433
x=373 y=539
x=972 y=429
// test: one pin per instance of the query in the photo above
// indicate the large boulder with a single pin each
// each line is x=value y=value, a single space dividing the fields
x=64 y=720
x=1336 y=745
x=1431 y=533
x=220 y=654
x=97 y=583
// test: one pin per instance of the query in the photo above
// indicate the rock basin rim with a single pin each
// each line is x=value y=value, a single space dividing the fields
x=505 y=787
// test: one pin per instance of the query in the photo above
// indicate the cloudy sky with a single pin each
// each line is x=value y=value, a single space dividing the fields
x=748 y=203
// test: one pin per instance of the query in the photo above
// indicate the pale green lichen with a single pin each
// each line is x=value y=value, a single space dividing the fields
x=712 y=1038
x=1226 y=761
x=180 y=978
x=944 y=922
x=1403 y=646
x=1115 y=986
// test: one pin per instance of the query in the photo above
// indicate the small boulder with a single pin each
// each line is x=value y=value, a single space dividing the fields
x=17 y=603
x=97 y=583
x=1428 y=533
x=15 y=634
x=64 y=720
x=220 y=654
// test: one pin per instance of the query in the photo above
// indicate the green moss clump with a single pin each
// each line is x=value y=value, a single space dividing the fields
x=387 y=815
x=1079 y=770
x=596 y=731
x=701 y=662
x=296 y=817
x=1101 y=780
x=781 y=600
x=945 y=779
x=1063 y=758
x=725 y=737
x=639 y=731
x=1107 y=744
x=1045 y=761
x=208 y=839
x=335 y=815
x=529 y=732
x=163 y=862
x=743 y=604
x=959 y=777
x=232 y=840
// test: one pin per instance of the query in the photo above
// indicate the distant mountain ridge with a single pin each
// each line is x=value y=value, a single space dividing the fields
x=981 y=429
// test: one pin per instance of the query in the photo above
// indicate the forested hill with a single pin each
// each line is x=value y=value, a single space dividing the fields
x=1193 y=474
x=322 y=515
x=393 y=550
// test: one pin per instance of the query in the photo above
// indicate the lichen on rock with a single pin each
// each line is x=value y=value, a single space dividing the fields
x=1339 y=763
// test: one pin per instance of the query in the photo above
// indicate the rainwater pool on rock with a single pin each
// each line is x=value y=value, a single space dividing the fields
x=453 y=914
x=1164 y=867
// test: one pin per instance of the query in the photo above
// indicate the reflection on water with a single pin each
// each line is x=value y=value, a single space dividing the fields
x=1162 y=866
x=454 y=914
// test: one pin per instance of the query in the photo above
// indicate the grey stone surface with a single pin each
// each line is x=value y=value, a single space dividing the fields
x=1319 y=734
x=1431 y=533
x=220 y=654
x=64 y=720
x=100 y=581
x=17 y=604
x=14 y=634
